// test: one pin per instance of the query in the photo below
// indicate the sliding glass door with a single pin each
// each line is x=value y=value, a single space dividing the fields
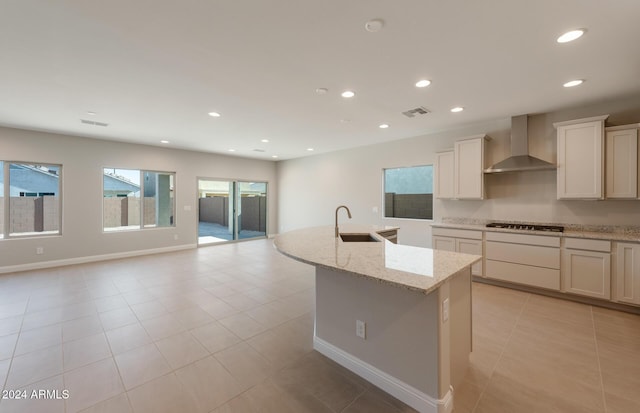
x=231 y=210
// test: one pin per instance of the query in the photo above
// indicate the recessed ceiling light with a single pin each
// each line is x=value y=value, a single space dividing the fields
x=164 y=141
x=310 y=149
x=345 y=120
x=457 y=109
x=383 y=126
x=91 y=113
x=573 y=83
x=322 y=90
x=423 y=83
x=214 y=114
x=265 y=141
x=274 y=156
x=348 y=94
x=570 y=36
x=232 y=150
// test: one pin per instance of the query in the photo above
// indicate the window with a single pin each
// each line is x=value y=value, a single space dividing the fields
x=123 y=207
x=408 y=192
x=30 y=204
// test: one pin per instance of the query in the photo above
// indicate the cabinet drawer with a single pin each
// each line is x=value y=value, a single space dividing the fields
x=523 y=274
x=457 y=233
x=547 y=241
x=523 y=254
x=588 y=244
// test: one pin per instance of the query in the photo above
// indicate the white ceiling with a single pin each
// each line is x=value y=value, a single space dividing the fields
x=153 y=69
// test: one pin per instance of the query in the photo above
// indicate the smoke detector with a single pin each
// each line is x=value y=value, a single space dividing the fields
x=374 y=25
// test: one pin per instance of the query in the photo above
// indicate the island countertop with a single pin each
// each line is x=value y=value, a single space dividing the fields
x=414 y=268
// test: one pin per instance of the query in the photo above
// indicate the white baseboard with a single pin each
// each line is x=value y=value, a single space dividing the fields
x=418 y=400
x=92 y=258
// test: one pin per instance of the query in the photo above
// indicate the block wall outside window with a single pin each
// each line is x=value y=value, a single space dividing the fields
x=30 y=202
x=408 y=192
x=123 y=208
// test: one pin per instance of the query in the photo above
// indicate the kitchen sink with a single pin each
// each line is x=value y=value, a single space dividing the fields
x=358 y=238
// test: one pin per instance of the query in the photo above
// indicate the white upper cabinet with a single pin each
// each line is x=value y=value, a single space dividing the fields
x=444 y=173
x=622 y=162
x=581 y=158
x=469 y=168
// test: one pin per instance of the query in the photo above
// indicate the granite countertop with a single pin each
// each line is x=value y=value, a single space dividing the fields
x=414 y=268
x=610 y=233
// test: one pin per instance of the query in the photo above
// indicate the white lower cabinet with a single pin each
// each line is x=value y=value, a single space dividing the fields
x=627 y=273
x=457 y=240
x=532 y=260
x=586 y=268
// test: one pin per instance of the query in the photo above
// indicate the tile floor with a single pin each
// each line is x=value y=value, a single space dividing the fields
x=228 y=329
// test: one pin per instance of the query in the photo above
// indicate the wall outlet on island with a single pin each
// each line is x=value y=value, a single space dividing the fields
x=361 y=329
x=374 y=209
x=39 y=250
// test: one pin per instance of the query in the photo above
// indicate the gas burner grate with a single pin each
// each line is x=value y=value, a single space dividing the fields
x=526 y=227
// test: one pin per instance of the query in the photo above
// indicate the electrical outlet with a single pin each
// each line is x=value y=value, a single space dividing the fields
x=374 y=209
x=361 y=329
x=39 y=250
x=445 y=310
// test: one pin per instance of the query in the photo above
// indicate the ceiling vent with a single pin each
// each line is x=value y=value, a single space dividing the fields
x=417 y=111
x=93 y=122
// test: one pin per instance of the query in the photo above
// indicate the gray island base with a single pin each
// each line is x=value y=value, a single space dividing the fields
x=396 y=315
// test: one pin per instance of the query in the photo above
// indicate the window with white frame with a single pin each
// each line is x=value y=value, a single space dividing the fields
x=30 y=199
x=135 y=199
x=408 y=192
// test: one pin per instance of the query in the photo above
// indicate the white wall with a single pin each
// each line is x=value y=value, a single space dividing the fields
x=83 y=160
x=311 y=188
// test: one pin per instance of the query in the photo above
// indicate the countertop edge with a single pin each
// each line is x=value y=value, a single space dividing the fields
x=608 y=236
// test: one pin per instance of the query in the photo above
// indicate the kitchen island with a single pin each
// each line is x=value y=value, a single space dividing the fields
x=398 y=316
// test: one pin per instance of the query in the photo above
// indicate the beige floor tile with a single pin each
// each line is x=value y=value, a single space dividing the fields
x=268 y=397
x=110 y=303
x=127 y=338
x=35 y=366
x=92 y=384
x=268 y=315
x=148 y=309
x=242 y=325
x=314 y=376
x=214 y=337
x=245 y=364
x=192 y=317
x=141 y=365
x=13 y=309
x=4 y=369
x=217 y=308
x=85 y=351
x=119 y=317
x=81 y=327
x=52 y=401
x=622 y=404
x=7 y=346
x=164 y=394
x=38 y=339
x=174 y=303
x=10 y=325
x=138 y=296
x=208 y=383
x=118 y=404
x=370 y=403
x=240 y=404
x=575 y=388
x=181 y=349
x=240 y=301
x=163 y=326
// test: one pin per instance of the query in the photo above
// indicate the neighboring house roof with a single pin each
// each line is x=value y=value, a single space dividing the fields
x=42 y=179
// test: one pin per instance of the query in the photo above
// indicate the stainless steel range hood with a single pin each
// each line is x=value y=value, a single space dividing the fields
x=520 y=160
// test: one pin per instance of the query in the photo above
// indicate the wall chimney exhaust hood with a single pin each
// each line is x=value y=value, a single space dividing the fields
x=520 y=160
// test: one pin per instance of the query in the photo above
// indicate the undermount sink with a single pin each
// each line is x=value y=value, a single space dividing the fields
x=358 y=238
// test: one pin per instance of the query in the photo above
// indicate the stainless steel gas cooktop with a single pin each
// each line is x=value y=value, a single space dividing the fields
x=526 y=227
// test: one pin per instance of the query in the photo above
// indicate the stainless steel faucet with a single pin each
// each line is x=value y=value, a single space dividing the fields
x=348 y=213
